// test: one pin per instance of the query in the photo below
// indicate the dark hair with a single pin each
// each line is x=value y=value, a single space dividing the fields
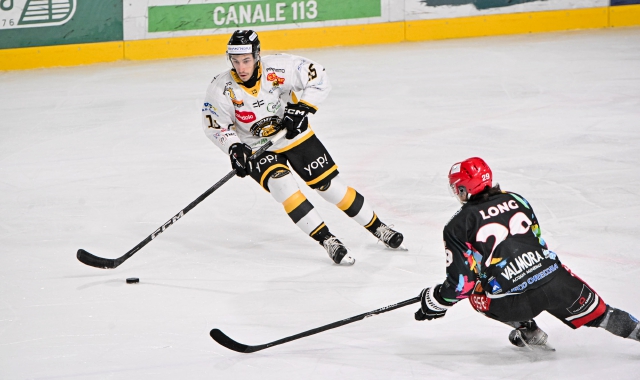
x=486 y=193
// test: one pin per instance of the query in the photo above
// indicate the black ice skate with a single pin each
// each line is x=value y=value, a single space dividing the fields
x=391 y=238
x=337 y=251
x=530 y=336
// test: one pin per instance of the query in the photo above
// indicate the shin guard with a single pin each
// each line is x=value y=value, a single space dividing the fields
x=621 y=323
x=348 y=200
x=285 y=190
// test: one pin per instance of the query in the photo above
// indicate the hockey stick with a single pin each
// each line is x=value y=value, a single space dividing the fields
x=231 y=344
x=101 y=262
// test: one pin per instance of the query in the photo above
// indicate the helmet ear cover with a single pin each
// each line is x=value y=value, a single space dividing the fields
x=472 y=175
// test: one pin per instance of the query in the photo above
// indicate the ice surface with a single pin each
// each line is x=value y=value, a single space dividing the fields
x=98 y=157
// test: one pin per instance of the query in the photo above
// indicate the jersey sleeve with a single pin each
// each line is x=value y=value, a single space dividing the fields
x=462 y=265
x=310 y=81
x=217 y=117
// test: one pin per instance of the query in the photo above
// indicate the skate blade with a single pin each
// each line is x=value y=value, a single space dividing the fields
x=347 y=260
x=538 y=347
x=544 y=347
x=402 y=247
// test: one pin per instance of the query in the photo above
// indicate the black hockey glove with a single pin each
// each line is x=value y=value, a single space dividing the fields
x=239 y=154
x=432 y=304
x=295 y=119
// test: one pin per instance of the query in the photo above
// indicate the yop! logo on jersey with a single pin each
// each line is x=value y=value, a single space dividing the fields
x=245 y=116
x=32 y=13
x=319 y=162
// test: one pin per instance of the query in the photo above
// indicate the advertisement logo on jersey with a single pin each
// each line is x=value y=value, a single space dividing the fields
x=523 y=264
x=266 y=160
x=495 y=286
x=583 y=303
x=274 y=107
x=266 y=127
x=319 y=162
x=245 y=116
x=276 y=80
x=274 y=70
x=209 y=107
x=480 y=302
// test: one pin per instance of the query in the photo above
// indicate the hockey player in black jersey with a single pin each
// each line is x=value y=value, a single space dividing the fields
x=496 y=257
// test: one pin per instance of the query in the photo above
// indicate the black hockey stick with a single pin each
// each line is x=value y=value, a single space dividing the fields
x=231 y=344
x=101 y=262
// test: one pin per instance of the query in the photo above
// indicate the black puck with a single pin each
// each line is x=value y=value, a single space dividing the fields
x=133 y=280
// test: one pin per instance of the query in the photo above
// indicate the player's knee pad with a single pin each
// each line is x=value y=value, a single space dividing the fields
x=620 y=323
x=333 y=191
x=282 y=185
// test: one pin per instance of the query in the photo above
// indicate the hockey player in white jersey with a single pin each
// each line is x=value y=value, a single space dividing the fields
x=260 y=96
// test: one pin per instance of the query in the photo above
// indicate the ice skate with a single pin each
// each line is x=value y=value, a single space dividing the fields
x=391 y=238
x=337 y=251
x=530 y=336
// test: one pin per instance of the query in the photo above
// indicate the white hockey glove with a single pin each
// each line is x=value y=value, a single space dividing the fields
x=432 y=304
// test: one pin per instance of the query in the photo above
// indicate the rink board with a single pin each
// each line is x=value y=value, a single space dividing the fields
x=412 y=28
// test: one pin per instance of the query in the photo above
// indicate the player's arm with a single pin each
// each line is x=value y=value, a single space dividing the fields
x=310 y=81
x=218 y=126
x=462 y=268
x=459 y=282
x=217 y=119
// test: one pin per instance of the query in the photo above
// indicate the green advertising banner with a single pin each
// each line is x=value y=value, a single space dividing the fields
x=29 y=23
x=170 y=18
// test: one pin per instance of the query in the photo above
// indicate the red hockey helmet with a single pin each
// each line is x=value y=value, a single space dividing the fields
x=472 y=174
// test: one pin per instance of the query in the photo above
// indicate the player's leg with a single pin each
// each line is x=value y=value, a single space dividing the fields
x=273 y=174
x=516 y=311
x=357 y=208
x=618 y=322
x=583 y=307
x=313 y=163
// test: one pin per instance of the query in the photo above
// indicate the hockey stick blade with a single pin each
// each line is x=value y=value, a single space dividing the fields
x=231 y=344
x=95 y=261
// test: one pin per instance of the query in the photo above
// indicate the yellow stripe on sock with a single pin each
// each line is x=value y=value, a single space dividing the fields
x=317 y=229
x=372 y=220
x=347 y=200
x=293 y=201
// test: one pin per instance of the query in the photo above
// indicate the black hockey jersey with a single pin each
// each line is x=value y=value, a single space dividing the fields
x=494 y=247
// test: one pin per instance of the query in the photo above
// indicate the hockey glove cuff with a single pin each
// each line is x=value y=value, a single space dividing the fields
x=239 y=154
x=432 y=304
x=295 y=119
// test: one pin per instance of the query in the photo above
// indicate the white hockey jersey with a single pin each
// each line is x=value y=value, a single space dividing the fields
x=234 y=113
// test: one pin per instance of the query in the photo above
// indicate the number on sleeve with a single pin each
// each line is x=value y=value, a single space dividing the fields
x=212 y=124
x=312 y=73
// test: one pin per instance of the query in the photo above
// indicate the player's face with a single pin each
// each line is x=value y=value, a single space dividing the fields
x=244 y=64
x=459 y=194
